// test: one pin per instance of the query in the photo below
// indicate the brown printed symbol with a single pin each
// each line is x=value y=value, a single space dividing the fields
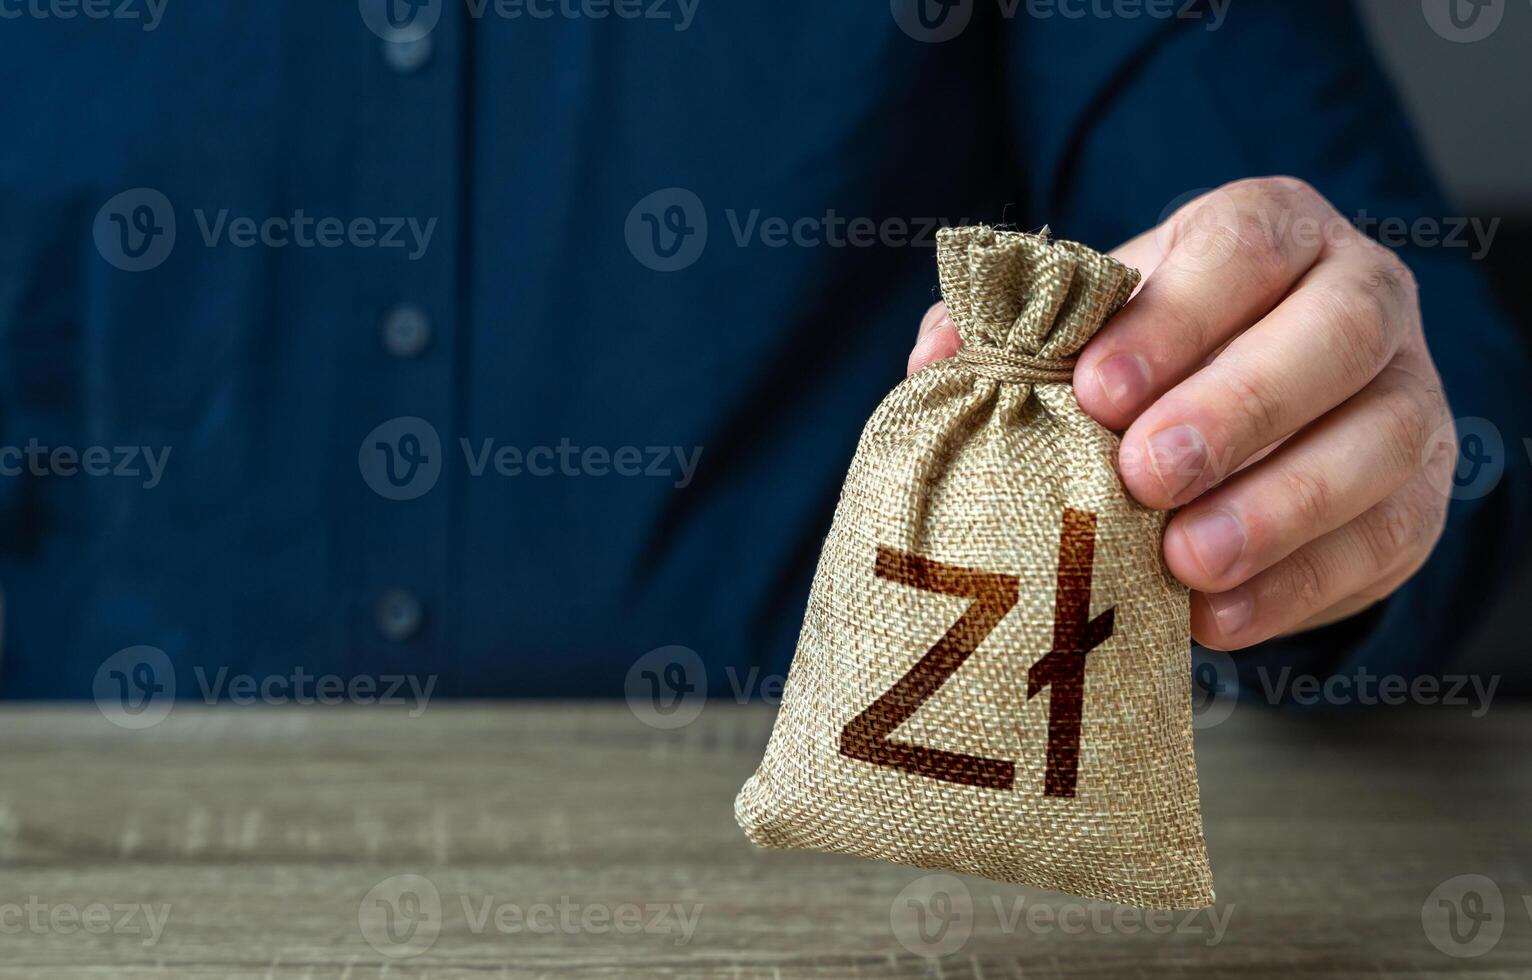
x=867 y=736
x=1074 y=635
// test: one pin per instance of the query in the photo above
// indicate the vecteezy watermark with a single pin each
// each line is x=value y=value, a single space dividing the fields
x=298 y=686
x=136 y=688
x=39 y=917
x=1019 y=914
x=935 y=915
x=675 y=463
x=144 y=463
x=402 y=459
x=666 y=688
x=1473 y=234
x=667 y=230
x=1464 y=917
x=935 y=21
x=1366 y=688
x=407 y=21
x=302 y=230
x=1463 y=21
x=149 y=13
x=1215 y=688
x=1481 y=456
x=402 y=916
x=136 y=231
x=1210 y=227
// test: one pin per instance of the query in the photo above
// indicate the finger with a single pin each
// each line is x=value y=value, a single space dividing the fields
x=1440 y=465
x=937 y=340
x=1226 y=262
x=1367 y=558
x=1143 y=253
x=1318 y=481
x=1337 y=331
x=1344 y=609
x=936 y=315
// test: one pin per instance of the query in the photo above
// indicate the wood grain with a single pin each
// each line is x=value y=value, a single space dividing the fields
x=262 y=831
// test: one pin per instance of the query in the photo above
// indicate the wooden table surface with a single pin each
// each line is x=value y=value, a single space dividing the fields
x=524 y=840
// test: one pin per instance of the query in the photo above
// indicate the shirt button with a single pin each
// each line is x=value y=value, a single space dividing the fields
x=400 y=615
x=408 y=57
x=406 y=330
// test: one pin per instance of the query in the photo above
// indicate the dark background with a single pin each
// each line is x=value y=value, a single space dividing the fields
x=1472 y=104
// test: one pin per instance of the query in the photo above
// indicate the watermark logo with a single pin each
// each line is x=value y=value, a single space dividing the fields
x=675 y=463
x=149 y=12
x=1464 y=916
x=135 y=688
x=932 y=21
x=136 y=230
x=409 y=691
x=1205 y=235
x=407 y=21
x=402 y=458
x=409 y=235
x=401 y=916
x=1472 y=691
x=1215 y=688
x=933 y=916
x=1203 y=230
x=1480 y=455
x=568 y=917
x=1475 y=235
x=401 y=21
x=1099 y=918
x=666 y=688
x=667 y=230
x=1463 y=21
x=40 y=918
x=935 y=21
x=143 y=463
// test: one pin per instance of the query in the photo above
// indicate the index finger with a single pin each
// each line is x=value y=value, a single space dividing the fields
x=1225 y=261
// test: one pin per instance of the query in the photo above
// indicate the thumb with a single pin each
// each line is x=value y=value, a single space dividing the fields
x=937 y=339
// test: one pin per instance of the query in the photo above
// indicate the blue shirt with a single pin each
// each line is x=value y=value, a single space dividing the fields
x=506 y=348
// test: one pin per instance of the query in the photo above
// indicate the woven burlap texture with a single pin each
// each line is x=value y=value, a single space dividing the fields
x=981 y=476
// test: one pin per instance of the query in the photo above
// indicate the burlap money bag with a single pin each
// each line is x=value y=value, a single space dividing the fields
x=994 y=671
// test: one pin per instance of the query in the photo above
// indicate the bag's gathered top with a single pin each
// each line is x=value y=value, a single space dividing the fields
x=1025 y=305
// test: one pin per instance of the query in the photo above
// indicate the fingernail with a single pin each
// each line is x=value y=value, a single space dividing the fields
x=1178 y=455
x=1232 y=610
x=930 y=323
x=1124 y=380
x=1217 y=540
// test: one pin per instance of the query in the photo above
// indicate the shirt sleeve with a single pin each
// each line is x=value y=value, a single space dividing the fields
x=1116 y=121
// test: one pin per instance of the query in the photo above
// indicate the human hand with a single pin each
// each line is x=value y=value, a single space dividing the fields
x=1272 y=381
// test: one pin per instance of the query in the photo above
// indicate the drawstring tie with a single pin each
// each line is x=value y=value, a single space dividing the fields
x=1021 y=369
